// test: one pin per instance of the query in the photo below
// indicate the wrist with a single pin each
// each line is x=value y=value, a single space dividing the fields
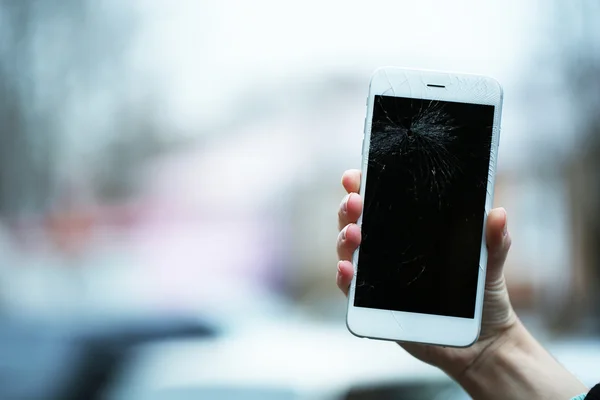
x=514 y=365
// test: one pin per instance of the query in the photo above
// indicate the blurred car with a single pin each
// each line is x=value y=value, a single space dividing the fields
x=297 y=359
x=79 y=359
x=288 y=360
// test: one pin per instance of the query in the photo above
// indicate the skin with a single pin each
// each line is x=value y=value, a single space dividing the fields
x=507 y=362
x=498 y=314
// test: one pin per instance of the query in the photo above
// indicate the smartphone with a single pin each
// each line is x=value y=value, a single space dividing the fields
x=429 y=158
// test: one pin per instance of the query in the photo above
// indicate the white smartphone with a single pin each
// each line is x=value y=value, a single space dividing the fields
x=429 y=160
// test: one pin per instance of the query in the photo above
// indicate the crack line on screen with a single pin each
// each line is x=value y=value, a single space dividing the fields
x=423 y=136
x=396 y=319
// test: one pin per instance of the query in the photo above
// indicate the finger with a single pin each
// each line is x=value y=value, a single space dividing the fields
x=498 y=243
x=345 y=271
x=351 y=180
x=350 y=210
x=348 y=241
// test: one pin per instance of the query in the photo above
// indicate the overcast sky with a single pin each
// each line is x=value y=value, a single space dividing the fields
x=199 y=57
x=207 y=50
x=205 y=53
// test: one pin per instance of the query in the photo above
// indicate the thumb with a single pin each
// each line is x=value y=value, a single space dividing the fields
x=498 y=243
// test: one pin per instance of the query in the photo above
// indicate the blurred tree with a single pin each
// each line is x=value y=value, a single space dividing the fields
x=141 y=136
x=25 y=157
x=576 y=39
x=57 y=57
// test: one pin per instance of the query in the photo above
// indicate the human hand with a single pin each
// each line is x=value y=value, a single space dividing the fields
x=498 y=320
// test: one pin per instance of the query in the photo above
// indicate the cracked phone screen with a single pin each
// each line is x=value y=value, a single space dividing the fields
x=426 y=187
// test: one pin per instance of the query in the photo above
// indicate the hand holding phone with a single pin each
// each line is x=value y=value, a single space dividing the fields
x=429 y=158
x=498 y=317
x=506 y=362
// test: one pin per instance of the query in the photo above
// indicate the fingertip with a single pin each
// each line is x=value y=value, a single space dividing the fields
x=346 y=269
x=353 y=236
x=348 y=241
x=502 y=214
x=497 y=220
x=351 y=180
x=499 y=214
x=496 y=227
x=498 y=243
x=345 y=272
x=353 y=207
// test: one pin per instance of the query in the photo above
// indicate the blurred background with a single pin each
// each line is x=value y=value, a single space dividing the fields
x=170 y=177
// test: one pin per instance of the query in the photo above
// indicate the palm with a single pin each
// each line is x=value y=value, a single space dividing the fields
x=497 y=318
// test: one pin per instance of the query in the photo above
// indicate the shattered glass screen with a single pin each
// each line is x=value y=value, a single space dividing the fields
x=424 y=206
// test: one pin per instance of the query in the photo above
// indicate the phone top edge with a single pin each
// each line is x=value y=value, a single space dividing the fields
x=433 y=71
x=488 y=78
x=434 y=85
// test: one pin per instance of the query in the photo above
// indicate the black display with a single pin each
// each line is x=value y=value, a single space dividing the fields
x=424 y=206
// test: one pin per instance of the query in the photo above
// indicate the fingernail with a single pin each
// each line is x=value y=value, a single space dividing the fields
x=338 y=275
x=345 y=203
x=505 y=229
x=344 y=232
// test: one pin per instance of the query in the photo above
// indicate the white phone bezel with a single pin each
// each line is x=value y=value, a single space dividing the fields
x=414 y=327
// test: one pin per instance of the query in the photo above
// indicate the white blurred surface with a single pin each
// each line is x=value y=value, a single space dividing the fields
x=307 y=357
